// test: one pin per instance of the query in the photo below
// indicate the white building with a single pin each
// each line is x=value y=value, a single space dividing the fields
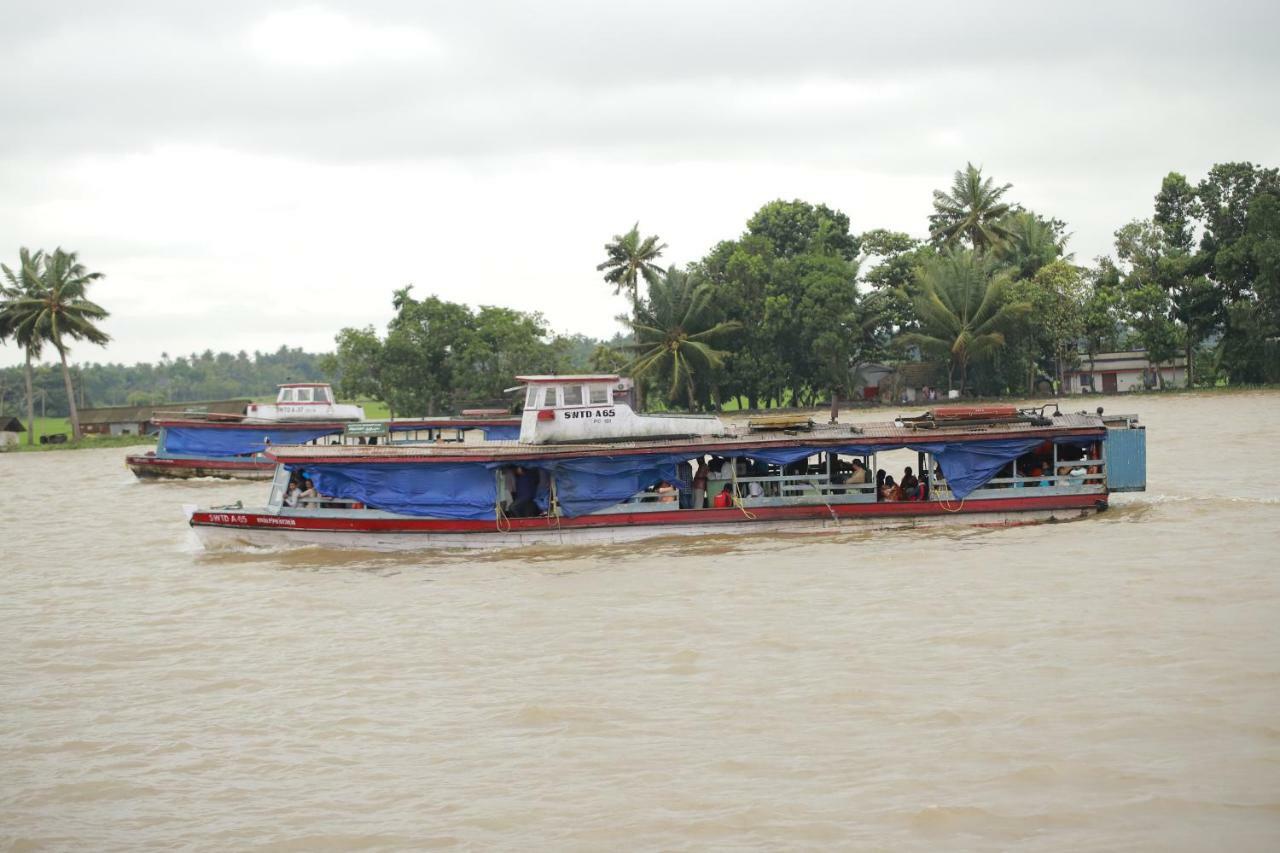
x=1117 y=372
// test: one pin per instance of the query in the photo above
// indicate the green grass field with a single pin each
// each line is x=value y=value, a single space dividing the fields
x=53 y=426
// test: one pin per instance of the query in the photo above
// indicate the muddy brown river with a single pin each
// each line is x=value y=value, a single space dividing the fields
x=1105 y=684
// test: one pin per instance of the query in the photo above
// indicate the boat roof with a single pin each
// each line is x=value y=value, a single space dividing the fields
x=303 y=385
x=738 y=441
x=238 y=422
x=542 y=379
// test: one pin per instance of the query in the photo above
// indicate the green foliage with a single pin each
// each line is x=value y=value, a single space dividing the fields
x=971 y=213
x=795 y=228
x=674 y=332
x=963 y=310
x=1032 y=243
x=441 y=356
x=47 y=302
x=629 y=258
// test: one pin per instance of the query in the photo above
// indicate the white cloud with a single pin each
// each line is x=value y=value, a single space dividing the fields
x=312 y=37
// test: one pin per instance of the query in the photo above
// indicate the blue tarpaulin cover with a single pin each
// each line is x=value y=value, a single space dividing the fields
x=501 y=432
x=447 y=490
x=595 y=482
x=584 y=485
x=223 y=441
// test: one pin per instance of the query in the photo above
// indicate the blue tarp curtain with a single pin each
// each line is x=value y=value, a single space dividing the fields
x=221 y=441
x=595 y=482
x=504 y=432
x=584 y=485
x=454 y=490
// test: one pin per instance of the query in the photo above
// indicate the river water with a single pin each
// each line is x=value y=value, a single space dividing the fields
x=1106 y=684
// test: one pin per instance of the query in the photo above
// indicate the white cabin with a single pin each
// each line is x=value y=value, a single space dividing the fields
x=304 y=401
x=596 y=407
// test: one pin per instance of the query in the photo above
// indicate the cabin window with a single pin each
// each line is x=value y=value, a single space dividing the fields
x=599 y=395
x=324 y=395
x=573 y=395
x=549 y=397
x=531 y=397
x=286 y=395
x=304 y=395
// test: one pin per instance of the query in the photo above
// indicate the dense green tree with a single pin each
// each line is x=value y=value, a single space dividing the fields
x=1032 y=243
x=971 y=212
x=19 y=284
x=630 y=258
x=889 y=260
x=59 y=311
x=1166 y=300
x=797 y=227
x=674 y=335
x=1057 y=295
x=963 y=310
x=356 y=366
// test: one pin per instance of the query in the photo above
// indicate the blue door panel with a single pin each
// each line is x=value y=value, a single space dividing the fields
x=1127 y=460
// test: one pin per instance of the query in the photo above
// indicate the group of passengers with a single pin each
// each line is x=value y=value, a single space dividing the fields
x=1036 y=469
x=909 y=488
x=301 y=492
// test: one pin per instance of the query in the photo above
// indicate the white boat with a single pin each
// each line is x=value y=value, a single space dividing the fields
x=303 y=401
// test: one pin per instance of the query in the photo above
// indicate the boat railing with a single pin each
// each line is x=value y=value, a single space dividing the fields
x=1000 y=486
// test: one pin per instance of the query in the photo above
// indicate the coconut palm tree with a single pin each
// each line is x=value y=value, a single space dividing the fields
x=962 y=308
x=673 y=332
x=25 y=281
x=971 y=211
x=631 y=258
x=58 y=311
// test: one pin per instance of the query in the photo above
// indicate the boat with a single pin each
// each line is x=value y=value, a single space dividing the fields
x=198 y=444
x=596 y=482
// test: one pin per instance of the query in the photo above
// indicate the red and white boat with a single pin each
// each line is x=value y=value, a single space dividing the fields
x=579 y=474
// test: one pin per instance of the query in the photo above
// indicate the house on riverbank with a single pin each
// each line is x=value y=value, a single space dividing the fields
x=1117 y=372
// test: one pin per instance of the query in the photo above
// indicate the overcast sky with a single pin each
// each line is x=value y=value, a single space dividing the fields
x=250 y=174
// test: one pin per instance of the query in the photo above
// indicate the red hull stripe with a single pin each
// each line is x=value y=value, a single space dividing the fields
x=252 y=520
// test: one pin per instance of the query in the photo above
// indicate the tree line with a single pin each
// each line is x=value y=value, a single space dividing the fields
x=781 y=314
x=784 y=312
x=439 y=356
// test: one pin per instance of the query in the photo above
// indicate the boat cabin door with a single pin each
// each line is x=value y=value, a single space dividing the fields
x=1126 y=450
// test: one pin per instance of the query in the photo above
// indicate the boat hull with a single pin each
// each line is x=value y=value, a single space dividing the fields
x=151 y=467
x=239 y=528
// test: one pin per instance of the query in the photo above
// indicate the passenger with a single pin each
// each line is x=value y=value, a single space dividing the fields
x=909 y=485
x=292 y=495
x=880 y=478
x=308 y=494
x=700 y=484
x=666 y=493
x=858 y=472
x=525 y=504
x=889 y=490
x=725 y=498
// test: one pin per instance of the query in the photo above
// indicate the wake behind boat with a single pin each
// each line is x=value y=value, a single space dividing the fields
x=588 y=469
